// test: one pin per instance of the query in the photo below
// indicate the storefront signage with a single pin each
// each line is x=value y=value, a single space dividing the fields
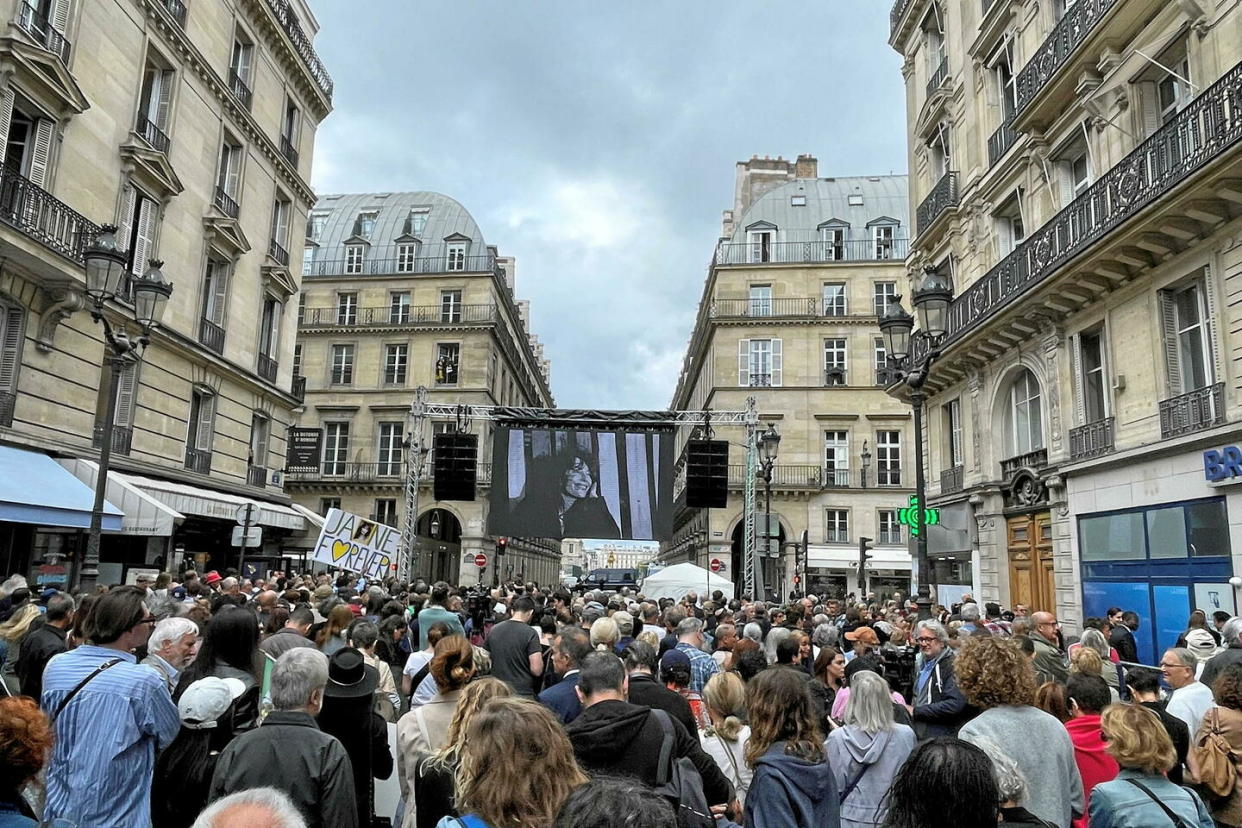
x=909 y=516
x=1222 y=465
x=302 y=456
x=348 y=541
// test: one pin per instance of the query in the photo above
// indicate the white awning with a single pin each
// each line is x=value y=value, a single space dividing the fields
x=193 y=500
x=316 y=521
x=144 y=515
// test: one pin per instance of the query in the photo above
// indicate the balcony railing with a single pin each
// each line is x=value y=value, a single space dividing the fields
x=211 y=335
x=886 y=538
x=1209 y=125
x=391 y=473
x=792 y=476
x=834 y=376
x=764 y=308
x=816 y=251
x=392 y=260
x=226 y=203
x=952 y=480
x=1036 y=459
x=298 y=388
x=1066 y=37
x=35 y=24
x=888 y=477
x=176 y=9
x=267 y=367
x=256 y=476
x=1195 y=411
x=197 y=460
x=837 y=479
x=122 y=438
x=278 y=253
x=760 y=381
x=240 y=89
x=302 y=45
x=836 y=536
x=943 y=196
x=152 y=134
x=1091 y=440
x=387 y=316
x=887 y=376
x=8 y=401
x=939 y=76
x=289 y=151
x=33 y=212
x=1001 y=141
x=896 y=13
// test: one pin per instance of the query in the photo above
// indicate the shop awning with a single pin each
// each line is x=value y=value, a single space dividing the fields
x=195 y=500
x=34 y=488
x=315 y=521
x=144 y=515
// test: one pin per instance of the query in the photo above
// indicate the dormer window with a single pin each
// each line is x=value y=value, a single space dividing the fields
x=855 y=200
x=883 y=238
x=365 y=225
x=417 y=221
x=355 y=259
x=315 y=224
x=455 y=255
x=797 y=201
x=407 y=255
x=832 y=240
x=760 y=239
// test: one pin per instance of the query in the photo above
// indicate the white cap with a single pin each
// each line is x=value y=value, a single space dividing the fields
x=1201 y=643
x=206 y=700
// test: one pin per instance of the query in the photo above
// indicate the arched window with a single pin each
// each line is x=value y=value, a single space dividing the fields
x=1026 y=420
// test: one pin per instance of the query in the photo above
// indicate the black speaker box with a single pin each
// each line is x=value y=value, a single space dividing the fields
x=455 y=458
x=707 y=474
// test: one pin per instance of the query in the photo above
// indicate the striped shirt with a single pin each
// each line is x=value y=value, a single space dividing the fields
x=106 y=738
x=702 y=666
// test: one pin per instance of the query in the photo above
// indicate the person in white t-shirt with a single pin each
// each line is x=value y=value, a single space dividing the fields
x=1191 y=699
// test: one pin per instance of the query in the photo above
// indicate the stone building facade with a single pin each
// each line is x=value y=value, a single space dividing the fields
x=1076 y=169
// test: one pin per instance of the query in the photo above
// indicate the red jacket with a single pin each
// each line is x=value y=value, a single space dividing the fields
x=1094 y=764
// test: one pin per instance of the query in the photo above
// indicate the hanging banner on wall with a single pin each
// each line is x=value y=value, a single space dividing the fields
x=302 y=454
x=348 y=541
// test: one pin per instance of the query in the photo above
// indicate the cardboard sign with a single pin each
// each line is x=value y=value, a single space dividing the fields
x=354 y=543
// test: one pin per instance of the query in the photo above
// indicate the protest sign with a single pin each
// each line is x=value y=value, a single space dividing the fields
x=350 y=542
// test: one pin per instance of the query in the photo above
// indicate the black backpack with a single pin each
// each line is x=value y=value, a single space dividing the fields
x=678 y=781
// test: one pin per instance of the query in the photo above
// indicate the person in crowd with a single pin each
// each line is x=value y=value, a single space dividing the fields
x=427 y=784
x=348 y=714
x=613 y=736
x=640 y=665
x=289 y=751
x=422 y=731
x=517 y=655
x=25 y=742
x=970 y=619
x=690 y=641
x=605 y=634
x=1190 y=698
x=333 y=635
x=1122 y=639
x=111 y=716
x=292 y=634
x=1141 y=796
x=1221 y=731
x=946 y=783
x=569 y=648
x=1012 y=789
x=1086 y=661
x=183 y=771
x=230 y=649
x=265 y=807
x=997 y=678
x=436 y=610
x=1049 y=660
x=494 y=790
x=170 y=648
x=1202 y=645
x=1052 y=698
x=390 y=647
x=1198 y=621
x=675 y=672
x=614 y=802
x=724 y=697
x=866 y=753
x=868 y=663
x=863 y=640
x=792 y=784
x=726 y=637
x=828 y=679
x=363 y=636
x=1088 y=696
x=22 y=613
x=42 y=642
x=1144 y=685
x=1110 y=671
x=418 y=665
x=1231 y=640
x=938 y=707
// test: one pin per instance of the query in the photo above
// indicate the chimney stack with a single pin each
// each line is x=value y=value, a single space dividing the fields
x=806 y=167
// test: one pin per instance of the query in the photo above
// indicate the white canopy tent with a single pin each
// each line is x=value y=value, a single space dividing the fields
x=675 y=581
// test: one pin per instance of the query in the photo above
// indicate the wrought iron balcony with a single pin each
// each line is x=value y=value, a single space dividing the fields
x=390 y=260
x=889 y=538
x=8 y=401
x=1091 y=440
x=814 y=251
x=152 y=134
x=1069 y=33
x=267 y=367
x=34 y=23
x=939 y=76
x=34 y=213
x=289 y=151
x=834 y=376
x=197 y=460
x=176 y=9
x=240 y=89
x=760 y=381
x=385 y=473
x=801 y=307
x=943 y=196
x=1209 y=125
x=226 y=203
x=302 y=45
x=1001 y=140
x=298 y=388
x=952 y=480
x=886 y=477
x=837 y=479
x=122 y=438
x=836 y=536
x=1197 y=410
x=278 y=253
x=211 y=335
x=386 y=316
x=1036 y=459
x=784 y=476
x=256 y=476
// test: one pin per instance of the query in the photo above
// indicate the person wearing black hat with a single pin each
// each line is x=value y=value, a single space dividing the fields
x=348 y=714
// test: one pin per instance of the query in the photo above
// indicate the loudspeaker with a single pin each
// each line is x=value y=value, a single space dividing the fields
x=707 y=474
x=455 y=459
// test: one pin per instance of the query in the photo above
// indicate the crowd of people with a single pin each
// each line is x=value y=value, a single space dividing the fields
x=212 y=701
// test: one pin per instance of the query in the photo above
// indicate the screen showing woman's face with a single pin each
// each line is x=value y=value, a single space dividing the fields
x=577 y=480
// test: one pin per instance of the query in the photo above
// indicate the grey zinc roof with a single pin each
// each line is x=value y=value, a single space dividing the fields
x=446 y=217
x=883 y=196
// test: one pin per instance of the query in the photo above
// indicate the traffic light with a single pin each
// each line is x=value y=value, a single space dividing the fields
x=502 y=544
x=864 y=550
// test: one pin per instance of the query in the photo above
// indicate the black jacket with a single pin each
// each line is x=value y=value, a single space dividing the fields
x=618 y=738
x=1217 y=663
x=38 y=647
x=1178 y=732
x=364 y=734
x=290 y=753
x=1122 y=641
x=940 y=708
x=647 y=692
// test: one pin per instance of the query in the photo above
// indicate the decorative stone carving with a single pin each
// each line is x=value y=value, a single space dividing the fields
x=1025 y=490
x=1052 y=347
x=64 y=303
x=974 y=379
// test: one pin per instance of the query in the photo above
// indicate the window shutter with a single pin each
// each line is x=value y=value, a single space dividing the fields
x=10 y=347
x=776 y=363
x=1172 y=363
x=259 y=440
x=280 y=223
x=1080 y=406
x=126 y=393
x=145 y=237
x=124 y=222
x=59 y=15
x=231 y=174
x=41 y=151
x=743 y=362
x=163 y=103
x=1149 y=108
x=206 y=430
x=1209 y=320
x=218 y=287
x=6 y=118
x=273 y=337
x=243 y=62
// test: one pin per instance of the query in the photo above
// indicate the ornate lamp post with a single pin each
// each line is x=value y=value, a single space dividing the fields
x=105 y=280
x=769 y=444
x=931 y=302
x=866 y=464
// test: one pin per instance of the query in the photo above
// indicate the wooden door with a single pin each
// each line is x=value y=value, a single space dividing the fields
x=1030 y=562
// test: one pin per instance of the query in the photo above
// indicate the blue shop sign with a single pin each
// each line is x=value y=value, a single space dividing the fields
x=1222 y=465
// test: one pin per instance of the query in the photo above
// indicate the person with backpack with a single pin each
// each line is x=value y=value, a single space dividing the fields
x=866 y=753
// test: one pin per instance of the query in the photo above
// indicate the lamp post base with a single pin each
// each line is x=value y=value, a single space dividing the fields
x=924 y=603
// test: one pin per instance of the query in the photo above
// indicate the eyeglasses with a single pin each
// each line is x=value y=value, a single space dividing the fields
x=150 y=619
x=1173 y=666
x=925 y=640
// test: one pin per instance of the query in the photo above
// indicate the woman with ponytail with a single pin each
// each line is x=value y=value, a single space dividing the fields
x=725 y=740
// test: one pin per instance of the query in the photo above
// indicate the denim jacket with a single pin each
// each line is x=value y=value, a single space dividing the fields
x=1121 y=804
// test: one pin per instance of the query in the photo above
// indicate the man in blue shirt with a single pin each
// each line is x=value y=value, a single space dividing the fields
x=436 y=610
x=689 y=640
x=110 y=715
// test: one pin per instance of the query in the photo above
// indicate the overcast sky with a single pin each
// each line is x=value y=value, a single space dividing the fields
x=596 y=143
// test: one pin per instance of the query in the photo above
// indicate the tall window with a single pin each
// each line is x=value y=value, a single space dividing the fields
x=315 y=224
x=1025 y=414
x=1173 y=89
x=201 y=431
x=136 y=228
x=834 y=362
x=297 y=360
x=1010 y=226
x=759 y=362
x=832 y=240
x=355 y=259
x=834 y=299
x=347 y=308
x=447 y=356
x=953 y=427
x=396 y=360
x=1006 y=80
x=450 y=306
x=259 y=426
x=456 y=256
x=342 y=364
x=229 y=179
x=882 y=293
x=290 y=128
x=882 y=236
x=940 y=153
x=882 y=375
x=836 y=526
x=1093 y=375
x=241 y=59
x=215 y=291
x=386 y=511
x=1188 y=345
x=335 y=449
x=760 y=244
x=888 y=527
x=407 y=256
x=365 y=224
x=390 y=449
x=155 y=104
x=760 y=300
x=837 y=458
x=399 y=307
x=282 y=209
x=888 y=458
x=269 y=328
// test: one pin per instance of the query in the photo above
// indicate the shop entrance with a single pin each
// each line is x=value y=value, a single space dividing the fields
x=1030 y=561
x=439 y=544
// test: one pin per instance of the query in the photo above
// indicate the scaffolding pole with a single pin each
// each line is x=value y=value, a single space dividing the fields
x=415 y=456
x=752 y=570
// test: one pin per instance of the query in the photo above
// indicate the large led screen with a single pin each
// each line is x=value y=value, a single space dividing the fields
x=558 y=483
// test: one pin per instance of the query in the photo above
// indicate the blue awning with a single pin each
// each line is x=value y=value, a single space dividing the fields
x=36 y=489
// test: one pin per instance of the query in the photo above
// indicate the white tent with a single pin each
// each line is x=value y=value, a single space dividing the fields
x=676 y=581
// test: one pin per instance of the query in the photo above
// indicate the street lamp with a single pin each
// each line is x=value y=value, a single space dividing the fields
x=866 y=464
x=105 y=280
x=932 y=299
x=769 y=444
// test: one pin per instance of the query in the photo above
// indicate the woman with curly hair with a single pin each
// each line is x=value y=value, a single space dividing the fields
x=999 y=679
x=25 y=744
x=1222 y=726
x=945 y=783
